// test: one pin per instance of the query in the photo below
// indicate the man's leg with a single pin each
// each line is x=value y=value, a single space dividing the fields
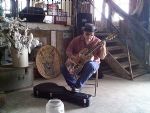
x=70 y=79
x=88 y=70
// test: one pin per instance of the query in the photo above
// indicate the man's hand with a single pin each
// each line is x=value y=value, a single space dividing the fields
x=103 y=44
x=103 y=49
x=73 y=57
x=84 y=57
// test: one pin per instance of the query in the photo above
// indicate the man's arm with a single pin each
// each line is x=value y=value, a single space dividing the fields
x=69 y=50
x=103 y=51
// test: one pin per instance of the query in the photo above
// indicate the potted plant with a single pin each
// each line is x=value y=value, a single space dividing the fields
x=19 y=40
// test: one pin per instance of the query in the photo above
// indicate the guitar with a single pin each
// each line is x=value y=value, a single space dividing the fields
x=75 y=64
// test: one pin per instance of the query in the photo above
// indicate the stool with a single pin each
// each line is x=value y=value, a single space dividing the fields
x=95 y=83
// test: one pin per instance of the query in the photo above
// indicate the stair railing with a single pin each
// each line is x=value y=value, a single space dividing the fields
x=137 y=27
x=117 y=31
x=129 y=59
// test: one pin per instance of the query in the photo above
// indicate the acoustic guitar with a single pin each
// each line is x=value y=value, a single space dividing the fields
x=74 y=64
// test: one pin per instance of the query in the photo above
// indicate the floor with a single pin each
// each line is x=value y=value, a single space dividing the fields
x=115 y=95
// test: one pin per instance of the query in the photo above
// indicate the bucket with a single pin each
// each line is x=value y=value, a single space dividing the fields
x=54 y=106
x=20 y=58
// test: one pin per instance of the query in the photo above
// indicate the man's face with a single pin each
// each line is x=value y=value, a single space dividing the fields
x=88 y=35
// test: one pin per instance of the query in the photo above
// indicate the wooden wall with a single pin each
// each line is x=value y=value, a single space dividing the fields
x=58 y=39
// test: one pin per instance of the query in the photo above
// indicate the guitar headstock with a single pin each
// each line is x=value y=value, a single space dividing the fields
x=111 y=36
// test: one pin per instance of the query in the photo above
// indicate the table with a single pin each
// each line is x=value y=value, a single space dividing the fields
x=12 y=78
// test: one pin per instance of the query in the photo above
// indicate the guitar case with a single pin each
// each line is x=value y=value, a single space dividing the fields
x=52 y=90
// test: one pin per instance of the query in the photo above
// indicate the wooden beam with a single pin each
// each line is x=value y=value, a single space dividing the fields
x=135 y=24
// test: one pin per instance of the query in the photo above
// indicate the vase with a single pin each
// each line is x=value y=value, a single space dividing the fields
x=20 y=58
x=55 y=106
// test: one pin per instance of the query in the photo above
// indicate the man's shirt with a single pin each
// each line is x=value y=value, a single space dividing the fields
x=78 y=44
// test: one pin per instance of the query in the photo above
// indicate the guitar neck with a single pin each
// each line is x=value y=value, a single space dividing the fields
x=93 y=49
x=100 y=44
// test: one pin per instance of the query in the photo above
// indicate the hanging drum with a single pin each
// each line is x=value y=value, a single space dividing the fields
x=48 y=62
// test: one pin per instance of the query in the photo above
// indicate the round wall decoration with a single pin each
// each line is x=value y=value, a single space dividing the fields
x=48 y=61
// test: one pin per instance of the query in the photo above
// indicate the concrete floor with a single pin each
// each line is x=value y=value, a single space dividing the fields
x=114 y=95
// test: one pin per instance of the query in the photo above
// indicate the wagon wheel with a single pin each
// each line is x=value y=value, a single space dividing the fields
x=48 y=62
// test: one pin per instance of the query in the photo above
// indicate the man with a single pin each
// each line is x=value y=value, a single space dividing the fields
x=89 y=41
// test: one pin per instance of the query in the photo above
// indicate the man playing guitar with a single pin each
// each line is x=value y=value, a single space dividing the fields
x=76 y=54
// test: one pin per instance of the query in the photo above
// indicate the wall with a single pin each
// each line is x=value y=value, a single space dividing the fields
x=56 y=35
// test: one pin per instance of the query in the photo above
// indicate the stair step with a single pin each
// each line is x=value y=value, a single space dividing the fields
x=138 y=72
x=126 y=64
x=99 y=34
x=108 y=72
x=113 y=48
x=120 y=55
x=105 y=67
x=111 y=43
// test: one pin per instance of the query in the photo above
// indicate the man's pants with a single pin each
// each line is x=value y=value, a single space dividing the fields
x=88 y=70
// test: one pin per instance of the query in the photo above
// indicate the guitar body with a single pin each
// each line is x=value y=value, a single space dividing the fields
x=75 y=64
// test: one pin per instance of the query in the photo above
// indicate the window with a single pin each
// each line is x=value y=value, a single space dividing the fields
x=123 y=4
x=6 y=6
x=22 y=4
x=98 y=9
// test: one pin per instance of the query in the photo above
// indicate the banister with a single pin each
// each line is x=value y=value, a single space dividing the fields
x=135 y=23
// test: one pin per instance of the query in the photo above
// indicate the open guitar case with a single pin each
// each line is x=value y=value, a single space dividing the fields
x=51 y=90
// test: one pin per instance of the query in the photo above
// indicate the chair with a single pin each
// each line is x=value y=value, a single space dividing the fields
x=95 y=83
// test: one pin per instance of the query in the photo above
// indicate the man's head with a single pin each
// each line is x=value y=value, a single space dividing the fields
x=89 y=30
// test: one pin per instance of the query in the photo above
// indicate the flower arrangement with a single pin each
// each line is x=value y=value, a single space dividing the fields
x=17 y=35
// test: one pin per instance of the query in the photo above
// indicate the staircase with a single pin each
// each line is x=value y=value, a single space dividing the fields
x=117 y=60
x=106 y=69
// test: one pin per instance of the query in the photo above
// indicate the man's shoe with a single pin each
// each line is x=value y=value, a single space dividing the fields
x=76 y=90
